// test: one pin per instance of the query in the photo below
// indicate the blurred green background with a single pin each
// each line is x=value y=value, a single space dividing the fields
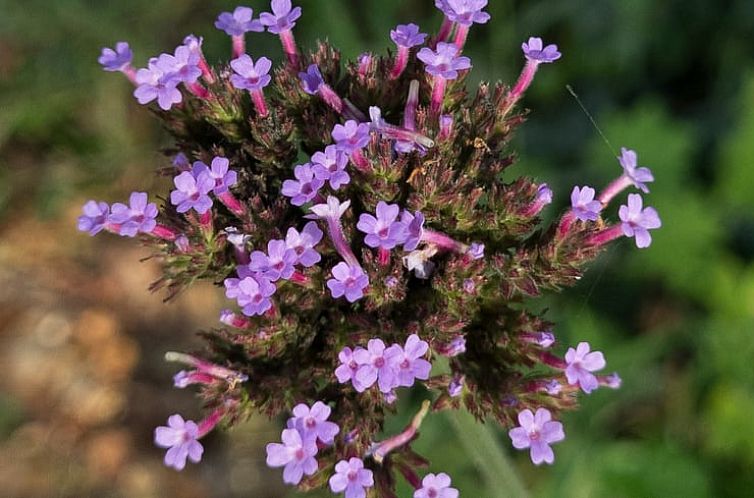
x=81 y=340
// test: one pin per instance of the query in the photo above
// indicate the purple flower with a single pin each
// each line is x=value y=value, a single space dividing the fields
x=553 y=387
x=180 y=437
x=153 y=83
x=444 y=62
x=334 y=209
x=534 y=52
x=639 y=176
x=138 y=216
x=375 y=366
x=464 y=12
x=348 y=368
x=349 y=281
x=250 y=76
x=384 y=231
x=580 y=365
x=414 y=229
x=118 y=59
x=476 y=250
x=296 y=454
x=613 y=381
x=637 y=221
x=545 y=339
x=312 y=422
x=303 y=244
x=436 y=486
x=283 y=18
x=351 y=137
x=585 y=208
x=330 y=166
x=239 y=22
x=277 y=263
x=407 y=35
x=305 y=187
x=251 y=291
x=455 y=388
x=544 y=194
x=351 y=476
x=94 y=217
x=454 y=347
x=537 y=432
x=311 y=80
x=182 y=67
x=222 y=176
x=192 y=192
x=407 y=362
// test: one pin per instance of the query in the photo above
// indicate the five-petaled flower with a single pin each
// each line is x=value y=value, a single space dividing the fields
x=311 y=422
x=181 y=439
x=537 y=431
x=583 y=204
x=445 y=61
x=93 y=217
x=349 y=281
x=118 y=59
x=636 y=222
x=295 y=453
x=408 y=362
x=250 y=75
x=138 y=217
x=192 y=191
x=305 y=187
x=580 y=363
x=282 y=18
x=330 y=166
x=383 y=231
x=436 y=486
x=238 y=22
x=351 y=478
x=534 y=52
x=639 y=176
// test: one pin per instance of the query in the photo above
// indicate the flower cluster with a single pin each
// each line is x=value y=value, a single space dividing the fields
x=359 y=217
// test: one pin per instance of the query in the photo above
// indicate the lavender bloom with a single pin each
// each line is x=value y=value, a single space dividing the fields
x=94 y=217
x=330 y=166
x=182 y=67
x=219 y=172
x=407 y=35
x=476 y=250
x=537 y=432
x=455 y=388
x=192 y=192
x=453 y=348
x=464 y=12
x=553 y=387
x=282 y=18
x=414 y=224
x=333 y=209
x=585 y=208
x=296 y=454
x=312 y=422
x=351 y=476
x=637 y=221
x=580 y=365
x=407 y=362
x=639 y=176
x=239 y=22
x=154 y=84
x=138 y=217
x=180 y=437
x=375 y=366
x=444 y=61
x=436 y=486
x=303 y=244
x=613 y=381
x=351 y=137
x=252 y=292
x=346 y=371
x=534 y=52
x=545 y=339
x=118 y=59
x=304 y=188
x=349 y=281
x=384 y=231
x=250 y=76
x=311 y=80
x=277 y=263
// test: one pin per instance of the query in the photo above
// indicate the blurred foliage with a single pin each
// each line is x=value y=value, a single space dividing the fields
x=673 y=80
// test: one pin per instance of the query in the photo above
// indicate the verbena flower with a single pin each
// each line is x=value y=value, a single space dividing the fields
x=537 y=431
x=408 y=362
x=250 y=75
x=464 y=12
x=351 y=136
x=153 y=83
x=376 y=366
x=311 y=422
x=351 y=478
x=282 y=18
x=348 y=281
x=295 y=454
x=639 y=176
x=436 y=486
x=305 y=187
x=407 y=35
x=251 y=291
x=637 y=222
x=191 y=192
x=219 y=171
x=94 y=217
x=138 y=217
x=181 y=438
x=583 y=204
x=238 y=22
x=384 y=230
x=118 y=59
x=580 y=365
x=303 y=244
x=534 y=51
x=330 y=166
x=445 y=61
x=277 y=263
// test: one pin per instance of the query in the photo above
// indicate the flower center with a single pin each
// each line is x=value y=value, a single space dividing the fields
x=379 y=362
x=432 y=493
x=310 y=422
x=299 y=454
x=405 y=363
x=352 y=474
x=534 y=435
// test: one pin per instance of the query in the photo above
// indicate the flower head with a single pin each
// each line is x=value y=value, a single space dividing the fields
x=445 y=61
x=192 y=192
x=118 y=59
x=455 y=388
x=282 y=18
x=303 y=244
x=219 y=172
x=639 y=176
x=330 y=166
x=277 y=263
x=584 y=206
x=580 y=365
x=349 y=366
x=334 y=209
x=352 y=478
x=414 y=229
x=138 y=217
x=476 y=250
x=408 y=362
x=436 y=486
x=464 y=12
x=636 y=222
x=93 y=217
x=375 y=366
x=248 y=75
x=181 y=439
x=534 y=52
x=311 y=80
x=295 y=453
x=348 y=281
x=407 y=35
x=153 y=83
x=304 y=188
x=537 y=431
x=384 y=231
x=351 y=136
x=312 y=422
x=251 y=291
x=182 y=66
x=238 y=22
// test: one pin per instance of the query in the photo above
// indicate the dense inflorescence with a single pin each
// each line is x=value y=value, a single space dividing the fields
x=357 y=216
